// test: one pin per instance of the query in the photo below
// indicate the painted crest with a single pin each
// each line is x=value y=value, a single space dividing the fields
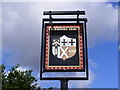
x=64 y=47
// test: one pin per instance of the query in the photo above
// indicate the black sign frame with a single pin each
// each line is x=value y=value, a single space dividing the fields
x=42 y=69
x=65 y=70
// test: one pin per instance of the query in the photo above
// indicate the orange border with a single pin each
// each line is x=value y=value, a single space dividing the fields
x=80 y=38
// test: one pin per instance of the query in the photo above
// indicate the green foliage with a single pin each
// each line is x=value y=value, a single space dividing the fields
x=18 y=79
x=0 y=77
x=51 y=88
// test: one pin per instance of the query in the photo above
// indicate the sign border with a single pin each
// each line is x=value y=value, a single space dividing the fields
x=64 y=69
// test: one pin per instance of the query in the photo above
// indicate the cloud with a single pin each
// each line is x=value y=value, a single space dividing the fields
x=93 y=63
x=72 y=83
x=20 y=68
x=22 y=28
x=102 y=26
x=21 y=35
x=60 y=1
x=83 y=84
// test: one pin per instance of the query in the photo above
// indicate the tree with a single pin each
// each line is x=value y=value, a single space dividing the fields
x=0 y=77
x=18 y=79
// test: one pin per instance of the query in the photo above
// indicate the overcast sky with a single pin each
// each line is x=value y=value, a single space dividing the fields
x=21 y=38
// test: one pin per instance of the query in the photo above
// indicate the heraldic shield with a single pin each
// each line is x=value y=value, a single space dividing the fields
x=64 y=47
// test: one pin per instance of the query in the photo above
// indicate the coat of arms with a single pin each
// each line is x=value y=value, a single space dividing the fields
x=64 y=47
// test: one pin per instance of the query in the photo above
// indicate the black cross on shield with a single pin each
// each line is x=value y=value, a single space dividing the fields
x=64 y=47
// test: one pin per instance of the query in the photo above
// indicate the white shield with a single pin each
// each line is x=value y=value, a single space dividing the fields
x=64 y=47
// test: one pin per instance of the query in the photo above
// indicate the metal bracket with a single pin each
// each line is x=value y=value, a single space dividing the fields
x=50 y=16
x=78 y=16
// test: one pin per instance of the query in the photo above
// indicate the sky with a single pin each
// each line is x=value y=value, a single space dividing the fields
x=21 y=39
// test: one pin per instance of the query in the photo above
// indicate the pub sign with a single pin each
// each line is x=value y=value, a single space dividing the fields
x=64 y=47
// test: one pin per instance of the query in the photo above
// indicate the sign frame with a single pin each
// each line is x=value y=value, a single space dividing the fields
x=49 y=20
x=72 y=68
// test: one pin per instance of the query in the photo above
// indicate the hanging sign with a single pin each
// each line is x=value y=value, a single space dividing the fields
x=64 y=47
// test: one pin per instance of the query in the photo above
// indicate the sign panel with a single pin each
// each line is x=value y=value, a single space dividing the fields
x=64 y=49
